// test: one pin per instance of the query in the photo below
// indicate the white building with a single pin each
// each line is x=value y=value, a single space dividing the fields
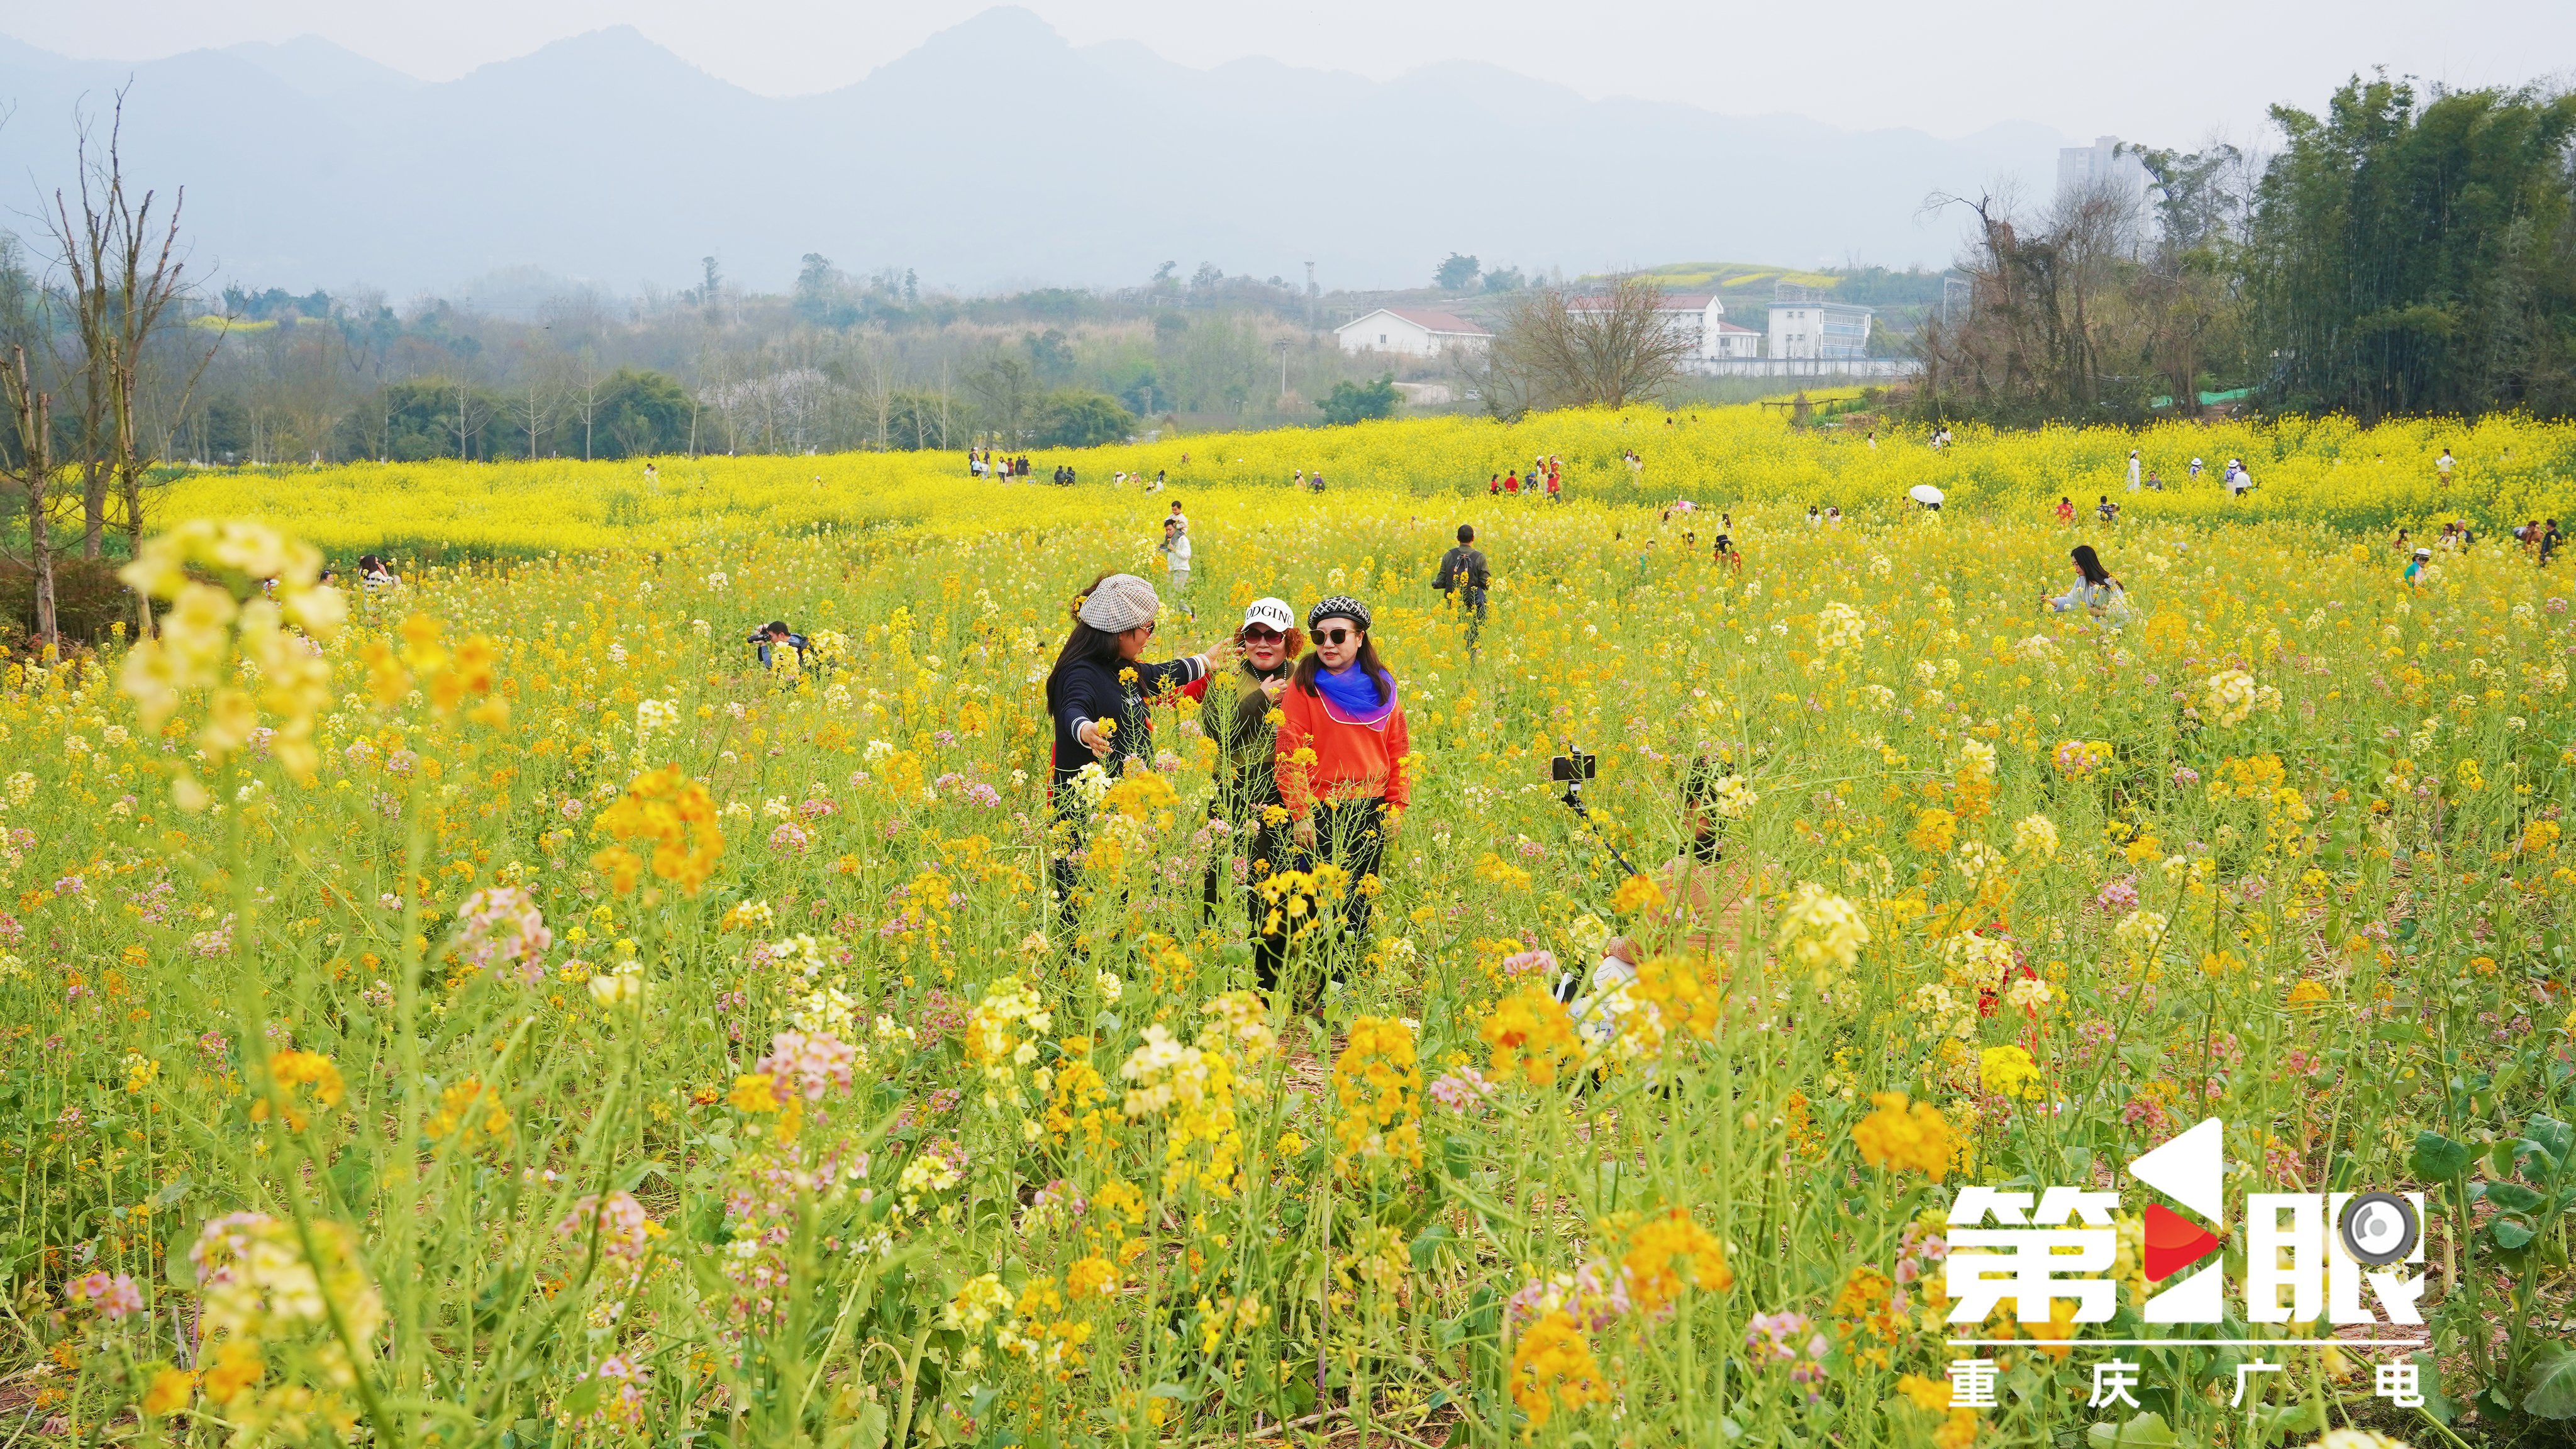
x=1806 y=323
x=1411 y=332
x=1730 y=340
x=2101 y=165
x=1698 y=316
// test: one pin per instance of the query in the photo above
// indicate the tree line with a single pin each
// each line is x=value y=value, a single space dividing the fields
x=2400 y=253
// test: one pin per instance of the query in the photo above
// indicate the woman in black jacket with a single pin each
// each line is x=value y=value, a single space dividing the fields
x=1100 y=696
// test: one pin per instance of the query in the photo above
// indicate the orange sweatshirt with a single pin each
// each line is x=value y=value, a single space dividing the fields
x=1348 y=760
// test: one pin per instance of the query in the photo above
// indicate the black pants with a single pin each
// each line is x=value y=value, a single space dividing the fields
x=1472 y=601
x=1351 y=835
x=1063 y=843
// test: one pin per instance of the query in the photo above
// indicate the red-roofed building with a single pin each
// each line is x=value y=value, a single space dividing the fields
x=1411 y=332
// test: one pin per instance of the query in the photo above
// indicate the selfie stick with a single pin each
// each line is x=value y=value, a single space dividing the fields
x=1572 y=799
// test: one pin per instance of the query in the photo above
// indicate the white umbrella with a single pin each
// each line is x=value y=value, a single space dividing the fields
x=1924 y=493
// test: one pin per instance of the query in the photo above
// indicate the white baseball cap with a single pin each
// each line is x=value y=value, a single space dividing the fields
x=1272 y=613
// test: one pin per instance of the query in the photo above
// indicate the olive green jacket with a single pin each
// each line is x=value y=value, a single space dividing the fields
x=1237 y=718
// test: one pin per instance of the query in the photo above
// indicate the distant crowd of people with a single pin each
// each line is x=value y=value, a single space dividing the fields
x=1546 y=475
x=981 y=463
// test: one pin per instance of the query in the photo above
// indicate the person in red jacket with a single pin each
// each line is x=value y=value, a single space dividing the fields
x=1342 y=748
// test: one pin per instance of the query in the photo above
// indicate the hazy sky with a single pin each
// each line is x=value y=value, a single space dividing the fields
x=2158 y=74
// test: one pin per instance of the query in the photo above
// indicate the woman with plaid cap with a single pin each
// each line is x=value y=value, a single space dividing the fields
x=1342 y=748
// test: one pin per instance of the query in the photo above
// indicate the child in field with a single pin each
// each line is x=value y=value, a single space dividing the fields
x=2415 y=568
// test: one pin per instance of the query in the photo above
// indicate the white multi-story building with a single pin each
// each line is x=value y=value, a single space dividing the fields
x=1807 y=323
x=1699 y=317
x=2101 y=165
x=1411 y=332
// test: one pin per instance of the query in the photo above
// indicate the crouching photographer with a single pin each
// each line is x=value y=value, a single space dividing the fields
x=1703 y=895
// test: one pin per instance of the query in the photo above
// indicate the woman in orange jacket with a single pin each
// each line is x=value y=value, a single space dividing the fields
x=1342 y=748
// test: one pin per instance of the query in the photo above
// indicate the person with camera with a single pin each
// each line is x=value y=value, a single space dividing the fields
x=773 y=639
x=1099 y=695
x=1239 y=721
x=1341 y=752
x=1705 y=894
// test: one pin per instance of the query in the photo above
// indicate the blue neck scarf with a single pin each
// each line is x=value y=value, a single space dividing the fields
x=1352 y=696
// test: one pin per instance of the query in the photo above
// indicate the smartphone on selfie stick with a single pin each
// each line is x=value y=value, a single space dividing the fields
x=1571 y=770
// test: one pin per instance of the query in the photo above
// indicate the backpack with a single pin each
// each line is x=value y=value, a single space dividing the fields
x=1447 y=578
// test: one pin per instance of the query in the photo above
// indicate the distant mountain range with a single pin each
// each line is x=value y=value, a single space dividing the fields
x=996 y=154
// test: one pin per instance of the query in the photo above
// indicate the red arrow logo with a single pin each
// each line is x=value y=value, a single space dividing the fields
x=2173 y=1242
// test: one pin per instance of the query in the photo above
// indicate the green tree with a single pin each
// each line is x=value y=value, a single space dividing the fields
x=1050 y=354
x=417 y=419
x=1080 y=418
x=642 y=414
x=1350 y=402
x=1457 y=274
x=823 y=296
x=2410 y=260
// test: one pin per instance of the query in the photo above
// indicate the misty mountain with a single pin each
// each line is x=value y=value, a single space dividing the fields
x=995 y=153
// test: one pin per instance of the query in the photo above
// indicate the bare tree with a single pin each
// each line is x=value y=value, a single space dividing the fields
x=2072 y=315
x=472 y=413
x=125 y=278
x=582 y=394
x=31 y=412
x=2032 y=336
x=1559 y=349
x=538 y=393
x=879 y=394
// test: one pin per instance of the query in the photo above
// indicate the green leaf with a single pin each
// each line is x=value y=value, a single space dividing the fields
x=2437 y=1158
x=2553 y=1136
x=2510 y=1233
x=868 y=1430
x=2280 y=1423
x=169 y=1196
x=2513 y=1197
x=2428 y=1381
x=1426 y=1248
x=2146 y=1429
x=1458 y=1156
x=353 y=1175
x=2398 y=1031
x=2549 y=1384
x=583 y=1399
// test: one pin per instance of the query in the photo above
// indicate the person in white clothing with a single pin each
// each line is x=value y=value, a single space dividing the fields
x=2133 y=470
x=1176 y=552
x=2443 y=465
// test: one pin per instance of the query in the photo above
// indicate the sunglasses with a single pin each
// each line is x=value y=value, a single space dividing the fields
x=1260 y=634
x=1331 y=636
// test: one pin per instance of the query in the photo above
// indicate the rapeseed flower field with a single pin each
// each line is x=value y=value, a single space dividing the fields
x=2330 y=472
x=495 y=1010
